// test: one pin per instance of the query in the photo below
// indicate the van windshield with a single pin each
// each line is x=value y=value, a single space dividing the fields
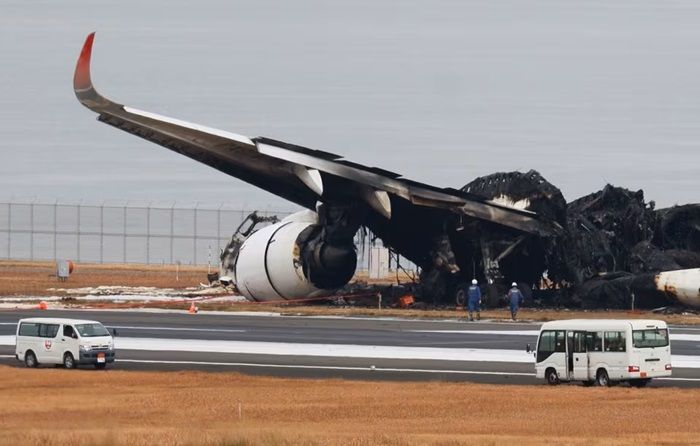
x=650 y=338
x=91 y=330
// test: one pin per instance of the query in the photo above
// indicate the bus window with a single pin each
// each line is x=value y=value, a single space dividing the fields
x=550 y=342
x=29 y=329
x=560 y=346
x=594 y=341
x=650 y=338
x=615 y=341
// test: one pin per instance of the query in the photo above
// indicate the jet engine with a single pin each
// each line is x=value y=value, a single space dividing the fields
x=292 y=259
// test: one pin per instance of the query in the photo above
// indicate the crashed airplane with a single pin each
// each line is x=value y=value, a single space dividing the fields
x=512 y=227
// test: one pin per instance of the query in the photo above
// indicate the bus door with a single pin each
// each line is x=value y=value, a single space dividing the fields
x=579 y=356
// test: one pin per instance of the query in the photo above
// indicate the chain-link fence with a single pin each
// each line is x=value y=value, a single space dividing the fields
x=109 y=233
x=131 y=233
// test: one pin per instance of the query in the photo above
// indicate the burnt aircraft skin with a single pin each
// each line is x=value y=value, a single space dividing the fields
x=426 y=224
x=500 y=228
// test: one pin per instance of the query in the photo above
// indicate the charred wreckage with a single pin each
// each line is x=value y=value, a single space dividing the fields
x=602 y=250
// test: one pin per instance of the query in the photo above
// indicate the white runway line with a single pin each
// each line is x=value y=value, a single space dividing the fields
x=208 y=330
x=337 y=350
x=323 y=367
x=674 y=336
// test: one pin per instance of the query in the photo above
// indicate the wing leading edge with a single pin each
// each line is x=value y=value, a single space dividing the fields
x=292 y=172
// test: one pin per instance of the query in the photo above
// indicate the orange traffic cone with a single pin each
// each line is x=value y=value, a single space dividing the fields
x=193 y=309
x=42 y=305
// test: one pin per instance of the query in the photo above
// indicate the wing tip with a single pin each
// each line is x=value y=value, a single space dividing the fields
x=81 y=79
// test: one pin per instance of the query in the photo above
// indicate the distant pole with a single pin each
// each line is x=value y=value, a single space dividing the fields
x=77 y=230
x=172 y=234
x=148 y=234
x=55 y=230
x=194 y=239
x=31 y=230
x=9 y=230
x=102 y=231
x=124 y=238
x=209 y=260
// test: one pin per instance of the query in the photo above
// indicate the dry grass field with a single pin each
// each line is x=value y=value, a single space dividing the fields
x=140 y=408
x=37 y=278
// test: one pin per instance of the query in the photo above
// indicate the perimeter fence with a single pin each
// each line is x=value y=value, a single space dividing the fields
x=132 y=233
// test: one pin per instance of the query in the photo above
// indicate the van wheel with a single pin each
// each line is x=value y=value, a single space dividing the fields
x=68 y=361
x=30 y=359
x=602 y=378
x=639 y=382
x=100 y=366
x=551 y=377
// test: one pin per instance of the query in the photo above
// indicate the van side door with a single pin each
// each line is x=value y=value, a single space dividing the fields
x=49 y=349
x=69 y=341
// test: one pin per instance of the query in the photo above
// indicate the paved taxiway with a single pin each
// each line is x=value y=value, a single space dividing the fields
x=357 y=348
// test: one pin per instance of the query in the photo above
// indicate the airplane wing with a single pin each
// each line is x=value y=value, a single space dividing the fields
x=301 y=175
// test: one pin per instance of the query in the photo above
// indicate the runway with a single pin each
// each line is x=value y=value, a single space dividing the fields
x=332 y=347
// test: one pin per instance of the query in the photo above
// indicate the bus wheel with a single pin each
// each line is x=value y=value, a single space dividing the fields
x=639 y=382
x=30 y=359
x=602 y=378
x=551 y=377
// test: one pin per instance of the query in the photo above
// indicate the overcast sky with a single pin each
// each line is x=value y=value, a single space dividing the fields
x=586 y=92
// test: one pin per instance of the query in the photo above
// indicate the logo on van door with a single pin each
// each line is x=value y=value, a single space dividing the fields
x=47 y=344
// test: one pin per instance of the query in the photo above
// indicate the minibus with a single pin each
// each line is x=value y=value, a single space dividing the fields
x=67 y=342
x=603 y=351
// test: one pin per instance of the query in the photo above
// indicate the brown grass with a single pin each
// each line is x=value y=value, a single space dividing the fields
x=36 y=278
x=117 y=407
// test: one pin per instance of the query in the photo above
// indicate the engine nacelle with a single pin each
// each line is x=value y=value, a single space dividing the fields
x=276 y=263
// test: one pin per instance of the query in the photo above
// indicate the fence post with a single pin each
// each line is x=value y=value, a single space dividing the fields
x=148 y=234
x=102 y=231
x=194 y=239
x=124 y=237
x=55 y=230
x=172 y=232
x=78 y=232
x=9 y=230
x=31 y=230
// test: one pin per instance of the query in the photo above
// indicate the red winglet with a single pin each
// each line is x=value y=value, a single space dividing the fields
x=81 y=79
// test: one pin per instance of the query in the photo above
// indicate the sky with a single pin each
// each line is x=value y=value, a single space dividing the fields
x=586 y=92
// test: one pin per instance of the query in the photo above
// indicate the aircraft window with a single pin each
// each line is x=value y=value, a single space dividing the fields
x=594 y=341
x=29 y=329
x=615 y=341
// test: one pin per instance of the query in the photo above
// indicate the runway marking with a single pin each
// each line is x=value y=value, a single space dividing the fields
x=323 y=367
x=214 y=330
x=674 y=336
x=337 y=350
x=485 y=332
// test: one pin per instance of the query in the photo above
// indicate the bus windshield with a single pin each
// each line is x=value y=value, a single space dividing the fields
x=91 y=330
x=650 y=338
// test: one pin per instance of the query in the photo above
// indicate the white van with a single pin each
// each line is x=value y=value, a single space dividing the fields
x=70 y=342
x=603 y=351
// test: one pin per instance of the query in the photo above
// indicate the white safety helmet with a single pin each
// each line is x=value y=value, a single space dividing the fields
x=474 y=282
x=513 y=284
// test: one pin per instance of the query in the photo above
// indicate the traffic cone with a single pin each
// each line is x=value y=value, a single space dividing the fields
x=42 y=305
x=193 y=309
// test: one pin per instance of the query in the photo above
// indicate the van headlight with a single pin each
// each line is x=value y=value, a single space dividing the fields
x=110 y=345
x=85 y=348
